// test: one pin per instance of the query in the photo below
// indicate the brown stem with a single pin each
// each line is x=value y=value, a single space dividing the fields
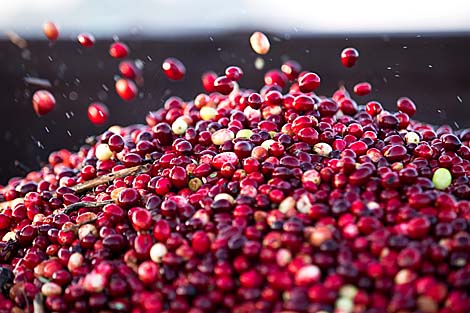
x=85 y=186
x=104 y=179
x=85 y=204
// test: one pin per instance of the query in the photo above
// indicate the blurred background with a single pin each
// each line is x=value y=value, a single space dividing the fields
x=407 y=48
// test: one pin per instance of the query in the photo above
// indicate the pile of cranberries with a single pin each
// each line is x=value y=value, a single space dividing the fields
x=277 y=200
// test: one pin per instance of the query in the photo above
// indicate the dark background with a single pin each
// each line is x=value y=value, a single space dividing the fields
x=432 y=69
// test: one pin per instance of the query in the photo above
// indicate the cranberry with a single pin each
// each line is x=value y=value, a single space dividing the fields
x=129 y=70
x=233 y=73
x=51 y=31
x=43 y=102
x=349 y=57
x=308 y=82
x=126 y=89
x=208 y=79
x=118 y=50
x=173 y=68
x=98 y=113
x=224 y=85
x=86 y=40
x=362 y=89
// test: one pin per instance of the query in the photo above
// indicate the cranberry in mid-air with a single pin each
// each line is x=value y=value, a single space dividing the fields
x=118 y=50
x=51 y=31
x=86 y=40
x=173 y=68
x=43 y=102
x=126 y=89
x=349 y=57
x=98 y=113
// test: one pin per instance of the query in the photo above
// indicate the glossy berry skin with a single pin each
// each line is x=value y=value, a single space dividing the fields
x=86 y=40
x=51 y=31
x=291 y=69
x=43 y=102
x=118 y=50
x=129 y=70
x=308 y=82
x=207 y=80
x=115 y=143
x=406 y=105
x=173 y=68
x=349 y=57
x=224 y=85
x=98 y=113
x=362 y=89
x=126 y=89
x=234 y=73
x=260 y=43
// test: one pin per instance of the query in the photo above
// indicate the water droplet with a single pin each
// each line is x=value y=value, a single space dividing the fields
x=139 y=64
x=69 y=133
x=73 y=96
x=116 y=38
x=389 y=68
x=460 y=99
x=102 y=95
x=307 y=50
x=259 y=63
x=47 y=129
x=397 y=75
x=211 y=39
x=219 y=49
x=405 y=47
x=50 y=59
x=105 y=88
x=429 y=65
x=149 y=58
x=456 y=124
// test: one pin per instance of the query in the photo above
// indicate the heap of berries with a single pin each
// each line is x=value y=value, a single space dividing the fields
x=247 y=201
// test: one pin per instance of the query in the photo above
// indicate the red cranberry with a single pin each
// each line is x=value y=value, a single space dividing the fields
x=173 y=68
x=118 y=50
x=308 y=82
x=362 y=89
x=349 y=57
x=86 y=40
x=224 y=85
x=126 y=89
x=98 y=113
x=43 y=102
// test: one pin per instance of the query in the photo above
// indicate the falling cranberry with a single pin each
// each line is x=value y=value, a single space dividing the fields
x=234 y=73
x=260 y=43
x=362 y=89
x=406 y=105
x=98 y=113
x=208 y=79
x=86 y=40
x=118 y=50
x=291 y=69
x=173 y=68
x=43 y=102
x=308 y=82
x=51 y=31
x=349 y=57
x=129 y=69
x=126 y=89
x=224 y=85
